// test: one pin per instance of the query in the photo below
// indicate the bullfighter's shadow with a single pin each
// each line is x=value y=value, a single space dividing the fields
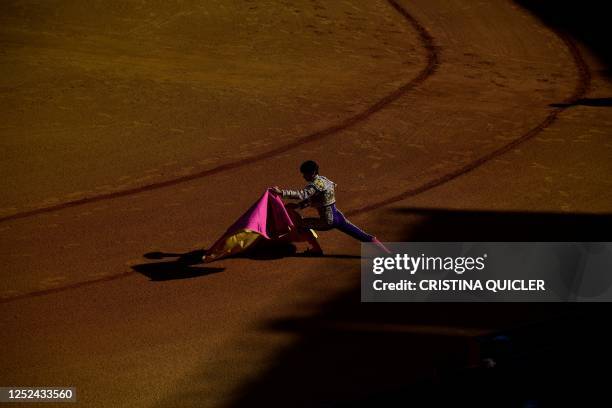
x=183 y=267
x=180 y=268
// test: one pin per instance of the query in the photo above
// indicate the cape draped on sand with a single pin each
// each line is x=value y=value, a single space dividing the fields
x=267 y=218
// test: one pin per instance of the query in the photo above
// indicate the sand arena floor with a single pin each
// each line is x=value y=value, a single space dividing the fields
x=131 y=127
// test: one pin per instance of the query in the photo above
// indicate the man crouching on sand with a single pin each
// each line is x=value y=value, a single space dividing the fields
x=319 y=193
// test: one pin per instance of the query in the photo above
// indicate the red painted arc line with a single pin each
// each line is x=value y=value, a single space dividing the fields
x=74 y=285
x=432 y=63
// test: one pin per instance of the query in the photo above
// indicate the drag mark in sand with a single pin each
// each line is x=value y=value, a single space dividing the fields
x=17 y=296
x=429 y=69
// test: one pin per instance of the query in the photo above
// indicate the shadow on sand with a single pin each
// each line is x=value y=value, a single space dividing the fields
x=587 y=21
x=264 y=250
x=596 y=102
x=438 y=225
x=353 y=354
x=180 y=268
x=183 y=266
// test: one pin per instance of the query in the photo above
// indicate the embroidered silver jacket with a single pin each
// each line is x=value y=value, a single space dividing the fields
x=318 y=193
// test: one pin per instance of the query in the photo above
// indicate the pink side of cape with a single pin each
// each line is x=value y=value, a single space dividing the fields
x=267 y=217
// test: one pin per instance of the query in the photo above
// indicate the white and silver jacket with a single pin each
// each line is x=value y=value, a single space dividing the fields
x=318 y=193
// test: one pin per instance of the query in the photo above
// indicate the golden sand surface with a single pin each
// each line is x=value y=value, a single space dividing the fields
x=422 y=104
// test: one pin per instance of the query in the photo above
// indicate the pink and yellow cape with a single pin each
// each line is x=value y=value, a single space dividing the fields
x=267 y=218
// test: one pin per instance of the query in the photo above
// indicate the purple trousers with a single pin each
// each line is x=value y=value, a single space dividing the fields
x=332 y=218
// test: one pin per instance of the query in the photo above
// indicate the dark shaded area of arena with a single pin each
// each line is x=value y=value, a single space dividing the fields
x=353 y=354
x=587 y=22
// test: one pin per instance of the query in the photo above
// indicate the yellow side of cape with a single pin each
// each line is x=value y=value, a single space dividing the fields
x=232 y=244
